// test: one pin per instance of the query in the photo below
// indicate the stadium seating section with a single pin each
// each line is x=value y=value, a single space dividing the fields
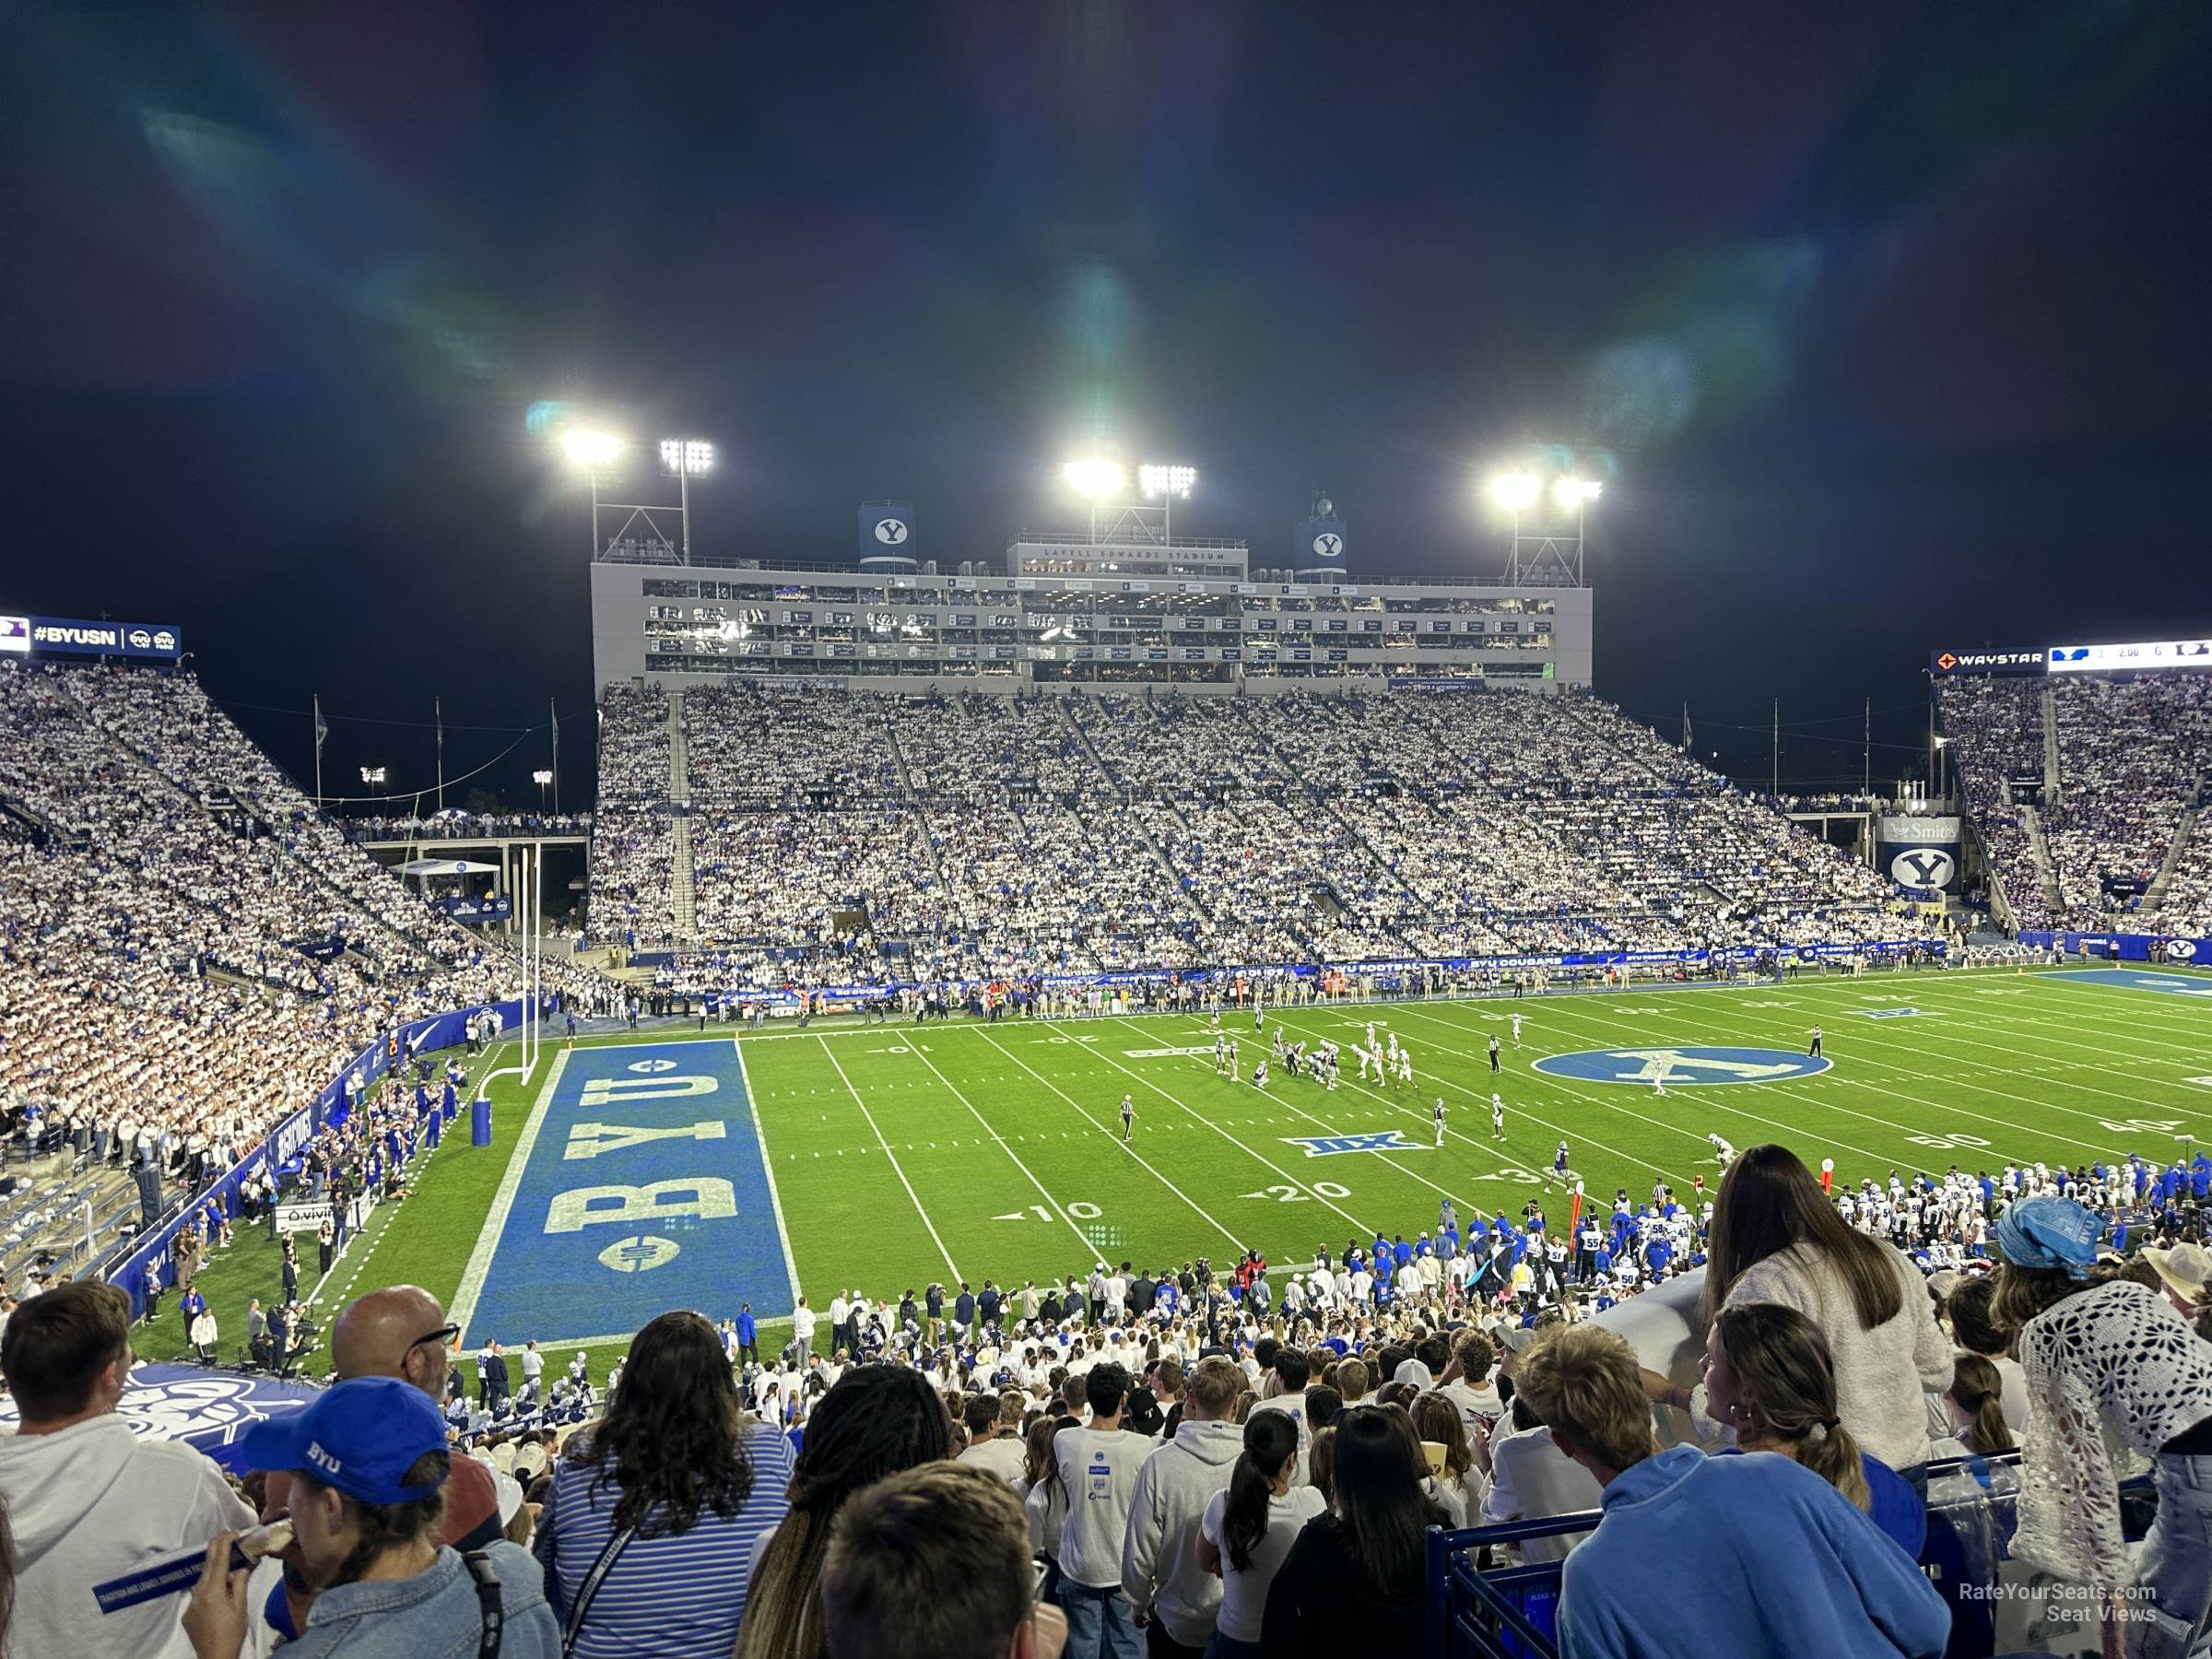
x=974 y=835
x=2087 y=795
x=191 y=952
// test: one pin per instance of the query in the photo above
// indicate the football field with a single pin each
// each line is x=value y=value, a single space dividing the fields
x=635 y=1174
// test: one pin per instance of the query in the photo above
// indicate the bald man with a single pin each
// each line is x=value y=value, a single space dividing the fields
x=399 y=1332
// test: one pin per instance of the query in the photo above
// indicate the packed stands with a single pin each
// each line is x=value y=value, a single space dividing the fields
x=835 y=834
x=191 y=952
x=2119 y=764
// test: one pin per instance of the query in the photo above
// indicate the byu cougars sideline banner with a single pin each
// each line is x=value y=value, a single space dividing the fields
x=1921 y=853
x=198 y=1404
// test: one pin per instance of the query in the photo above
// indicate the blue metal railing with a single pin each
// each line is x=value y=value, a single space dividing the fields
x=1512 y=1612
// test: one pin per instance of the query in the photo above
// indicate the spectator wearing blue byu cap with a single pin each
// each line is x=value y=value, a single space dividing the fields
x=369 y=1460
x=2108 y=1359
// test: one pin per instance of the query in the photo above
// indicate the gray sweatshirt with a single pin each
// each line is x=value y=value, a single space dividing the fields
x=1159 y=1549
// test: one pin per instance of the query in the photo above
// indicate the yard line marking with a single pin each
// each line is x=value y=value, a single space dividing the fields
x=495 y=1223
x=1201 y=1117
x=1043 y=1191
x=767 y=1167
x=1163 y=1180
x=1626 y=1111
x=2005 y=1124
x=1386 y=1158
x=830 y=1054
x=1905 y=1130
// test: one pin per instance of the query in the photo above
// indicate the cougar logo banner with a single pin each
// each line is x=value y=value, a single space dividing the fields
x=1923 y=867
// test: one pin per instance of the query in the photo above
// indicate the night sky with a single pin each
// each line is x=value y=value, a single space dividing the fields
x=1886 y=325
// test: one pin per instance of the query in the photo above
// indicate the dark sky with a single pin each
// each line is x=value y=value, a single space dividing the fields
x=1887 y=324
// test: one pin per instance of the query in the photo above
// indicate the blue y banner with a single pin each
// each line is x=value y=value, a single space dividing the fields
x=639 y=1184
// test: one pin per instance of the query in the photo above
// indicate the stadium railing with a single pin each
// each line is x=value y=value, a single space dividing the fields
x=1512 y=1612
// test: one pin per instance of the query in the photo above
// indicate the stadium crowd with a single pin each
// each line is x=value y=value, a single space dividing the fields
x=2133 y=758
x=839 y=836
x=1196 y=1463
x=189 y=952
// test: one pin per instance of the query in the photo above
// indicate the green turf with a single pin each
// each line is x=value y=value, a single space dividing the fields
x=904 y=1153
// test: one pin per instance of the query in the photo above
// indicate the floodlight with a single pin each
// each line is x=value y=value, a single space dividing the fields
x=373 y=774
x=589 y=446
x=1159 y=479
x=1515 y=491
x=686 y=456
x=1097 y=476
x=541 y=777
x=1572 y=494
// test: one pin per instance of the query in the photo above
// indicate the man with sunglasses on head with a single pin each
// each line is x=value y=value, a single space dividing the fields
x=398 y=1332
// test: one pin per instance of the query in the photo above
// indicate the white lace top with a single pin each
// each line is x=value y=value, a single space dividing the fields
x=2111 y=1366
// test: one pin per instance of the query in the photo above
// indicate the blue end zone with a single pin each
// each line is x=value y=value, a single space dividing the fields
x=645 y=1189
x=2136 y=978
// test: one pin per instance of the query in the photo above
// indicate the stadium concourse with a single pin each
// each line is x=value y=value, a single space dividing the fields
x=1189 y=1439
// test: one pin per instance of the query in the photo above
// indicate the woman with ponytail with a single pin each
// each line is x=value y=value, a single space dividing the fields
x=1769 y=1377
x=1249 y=1527
x=1976 y=1401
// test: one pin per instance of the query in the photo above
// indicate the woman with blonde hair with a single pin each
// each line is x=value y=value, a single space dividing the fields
x=1044 y=1499
x=1769 y=1377
x=1777 y=1239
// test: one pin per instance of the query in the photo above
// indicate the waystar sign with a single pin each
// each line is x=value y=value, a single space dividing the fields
x=1987 y=661
x=28 y=634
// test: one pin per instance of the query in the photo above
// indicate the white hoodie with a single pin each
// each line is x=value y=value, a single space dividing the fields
x=89 y=1503
x=1159 y=1549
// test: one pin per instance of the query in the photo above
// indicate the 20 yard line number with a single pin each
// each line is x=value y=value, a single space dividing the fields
x=1282 y=1192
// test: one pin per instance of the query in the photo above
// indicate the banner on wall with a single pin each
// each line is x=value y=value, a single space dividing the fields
x=75 y=636
x=1918 y=853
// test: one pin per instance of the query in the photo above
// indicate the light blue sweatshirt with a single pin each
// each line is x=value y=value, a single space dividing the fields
x=1754 y=1554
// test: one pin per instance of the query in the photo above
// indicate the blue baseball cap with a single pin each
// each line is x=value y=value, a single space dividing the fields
x=360 y=1439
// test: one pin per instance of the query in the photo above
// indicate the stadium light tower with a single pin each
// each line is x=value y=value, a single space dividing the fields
x=374 y=776
x=685 y=459
x=1098 y=477
x=1159 y=483
x=591 y=450
x=1554 y=552
x=541 y=777
x=1163 y=481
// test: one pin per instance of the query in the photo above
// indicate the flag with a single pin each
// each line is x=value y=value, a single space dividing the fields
x=322 y=726
x=439 y=703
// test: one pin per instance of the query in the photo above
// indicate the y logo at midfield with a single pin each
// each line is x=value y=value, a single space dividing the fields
x=1675 y=1066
